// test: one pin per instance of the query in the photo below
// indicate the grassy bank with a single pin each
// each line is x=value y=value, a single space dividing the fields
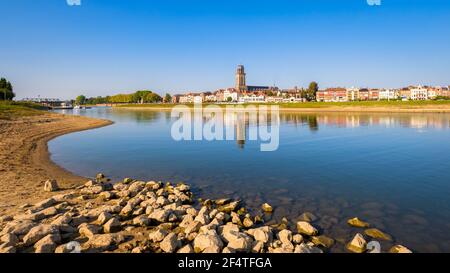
x=10 y=109
x=309 y=105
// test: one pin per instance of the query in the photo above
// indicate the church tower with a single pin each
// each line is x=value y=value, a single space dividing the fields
x=241 y=86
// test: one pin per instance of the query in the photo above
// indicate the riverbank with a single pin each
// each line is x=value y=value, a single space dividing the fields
x=152 y=217
x=24 y=159
x=359 y=106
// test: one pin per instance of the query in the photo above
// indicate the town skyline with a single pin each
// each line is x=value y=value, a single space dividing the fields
x=187 y=45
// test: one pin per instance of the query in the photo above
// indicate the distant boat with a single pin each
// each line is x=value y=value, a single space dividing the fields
x=77 y=107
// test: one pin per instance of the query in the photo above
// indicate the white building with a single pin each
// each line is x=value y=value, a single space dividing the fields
x=198 y=99
x=252 y=98
x=419 y=93
x=353 y=94
x=230 y=93
x=388 y=94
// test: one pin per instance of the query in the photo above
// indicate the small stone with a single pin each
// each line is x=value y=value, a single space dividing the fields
x=248 y=223
x=113 y=225
x=170 y=243
x=399 y=249
x=99 y=176
x=377 y=234
x=267 y=208
x=356 y=222
x=127 y=180
x=358 y=244
x=51 y=186
x=306 y=228
x=297 y=239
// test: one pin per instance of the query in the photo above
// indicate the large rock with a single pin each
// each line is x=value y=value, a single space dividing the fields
x=267 y=208
x=45 y=203
x=4 y=249
x=377 y=234
x=203 y=216
x=158 y=235
x=104 y=242
x=170 y=243
x=193 y=227
x=306 y=228
x=187 y=249
x=307 y=248
x=227 y=208
x=285 y=236
x=356 y=222
x=39 y=232
x=103 y=217
x=50 y=186
x=322 y=240
x=62 y=220
x=9 y=239
x=262 y=234
x=239 y=241
x=160 y=215
x=358 y=244
x=226 y=229
x=399 y=249
x=48 y=244
x=113 y=225
x=18 y=227
x=142 y=221
x=308 y=217
x=206 y=240
x=88 y=230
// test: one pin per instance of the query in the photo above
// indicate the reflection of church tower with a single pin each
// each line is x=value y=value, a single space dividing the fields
x=240 y=130
x=241 y=86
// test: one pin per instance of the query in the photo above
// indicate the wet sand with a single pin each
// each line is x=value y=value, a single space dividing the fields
x=25 y=162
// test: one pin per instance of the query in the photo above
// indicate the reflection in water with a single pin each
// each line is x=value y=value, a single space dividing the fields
x=388 y=169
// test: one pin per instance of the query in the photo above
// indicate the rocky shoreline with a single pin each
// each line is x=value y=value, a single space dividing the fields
x=151 y=217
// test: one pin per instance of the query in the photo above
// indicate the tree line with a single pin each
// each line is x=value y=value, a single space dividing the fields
x=142 y=96
x=6 y=90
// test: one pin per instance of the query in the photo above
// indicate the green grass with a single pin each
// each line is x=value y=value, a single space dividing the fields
x=11 y=109
x=396 y=104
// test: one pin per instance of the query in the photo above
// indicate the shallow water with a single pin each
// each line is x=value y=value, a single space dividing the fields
x=391 y=170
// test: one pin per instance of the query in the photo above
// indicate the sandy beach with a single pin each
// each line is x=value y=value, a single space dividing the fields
x=24 y=159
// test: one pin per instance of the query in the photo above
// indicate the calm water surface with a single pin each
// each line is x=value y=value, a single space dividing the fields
x=391 y=170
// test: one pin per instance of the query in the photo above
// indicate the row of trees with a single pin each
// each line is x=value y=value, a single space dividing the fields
x=142 y=96
x=309 y=94
x=6 y=90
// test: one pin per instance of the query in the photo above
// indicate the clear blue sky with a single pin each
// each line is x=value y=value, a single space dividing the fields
x=107 y=46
